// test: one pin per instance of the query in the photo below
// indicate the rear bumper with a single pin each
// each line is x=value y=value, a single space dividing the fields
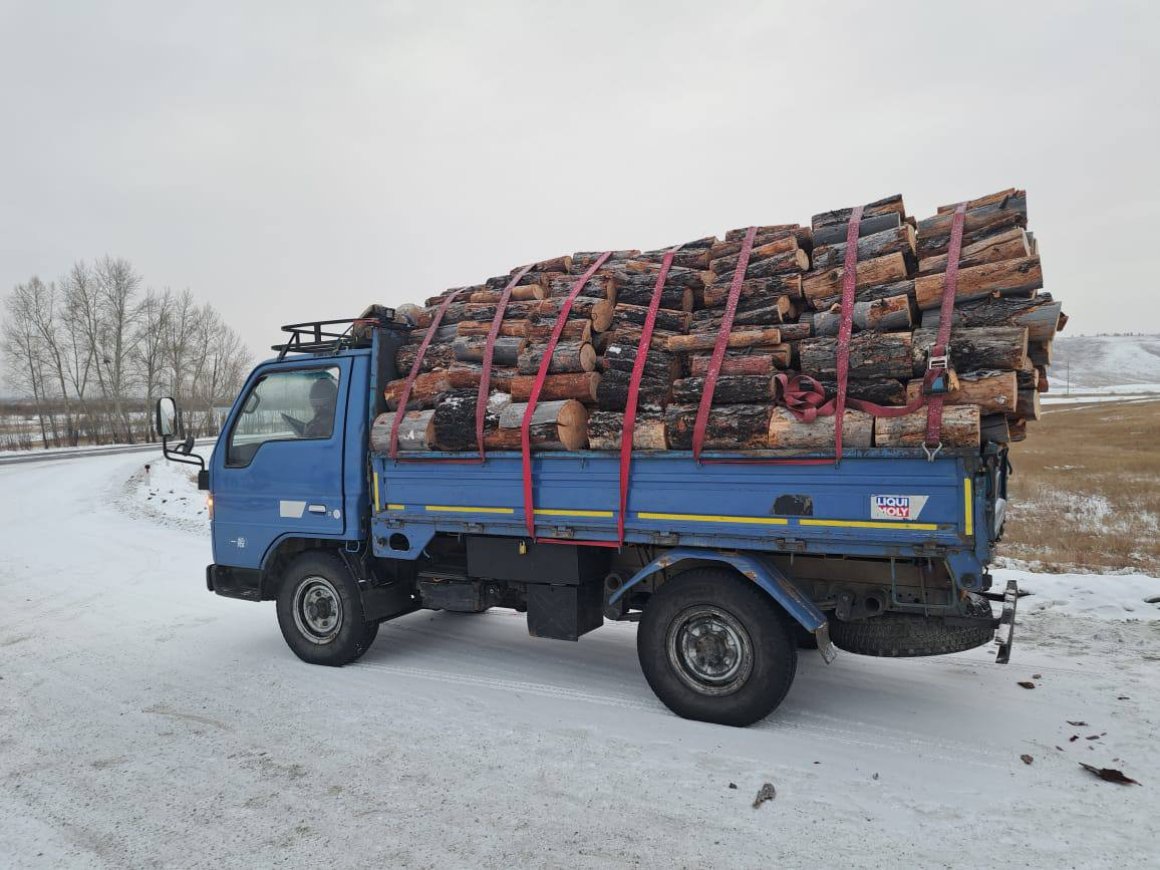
x=244 y=583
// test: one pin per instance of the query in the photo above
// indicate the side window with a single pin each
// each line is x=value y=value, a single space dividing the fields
x=284 y=406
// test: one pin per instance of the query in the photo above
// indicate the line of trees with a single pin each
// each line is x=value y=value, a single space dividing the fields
x=90 y=352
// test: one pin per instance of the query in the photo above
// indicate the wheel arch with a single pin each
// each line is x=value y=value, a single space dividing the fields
x=763 y=573
x=282 y=553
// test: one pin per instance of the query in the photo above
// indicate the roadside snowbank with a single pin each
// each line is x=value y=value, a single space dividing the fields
x=1099 y=596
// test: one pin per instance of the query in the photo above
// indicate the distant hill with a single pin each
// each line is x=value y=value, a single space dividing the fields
x=1097 y=362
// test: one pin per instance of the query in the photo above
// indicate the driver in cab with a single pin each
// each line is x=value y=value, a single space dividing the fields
x=323 y=399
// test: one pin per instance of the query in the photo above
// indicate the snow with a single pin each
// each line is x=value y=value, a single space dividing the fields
x=145 y=722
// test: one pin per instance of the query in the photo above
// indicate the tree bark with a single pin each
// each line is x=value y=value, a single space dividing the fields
x=1040 y=315
x=960 y=428
x=1007 y=245
x=873 y=355
x=886 y=205
x=884 y=391
x=520 y=293
x=900 y=240
x=507 y=328
x=735 y=364
x=786 y=431
x=883 y=315
x=571 y=356
x=781 y=247
x=505 y=351
x=834 y=234
x=581 y=386
x=416 y=431
x=672 y=298
x=1008 y=278
x=429 y=386
x=561 y=425
x=671 y=321
x=934 y=233
x=737 y=339
x=730 y=427
x=1002 y=348
x=729 y=390
x=880 y=270
x=755 y=289
x=993 y=392
x=612 y=391
x=606 y=428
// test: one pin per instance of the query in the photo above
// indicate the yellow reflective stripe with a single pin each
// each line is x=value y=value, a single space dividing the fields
x=463 y=509
x=376 y=477
x=970 y=505
x=552 y=512
x=713 y=518
x=396 y=507
x=870 y=524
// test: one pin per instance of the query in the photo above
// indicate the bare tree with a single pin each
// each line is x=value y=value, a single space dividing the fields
x=148 y=351
x=117 y=284
x=22 y=352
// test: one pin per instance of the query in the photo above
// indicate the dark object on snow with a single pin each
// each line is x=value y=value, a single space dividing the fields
x=1109 y=774
x=765 y=793
x=732 y=785
x=1073 y=738
x=1027 y=759
x=1077 y=724
x=1123 y=698
x=1037 y=676
x=1153 y=599
x=1027 y=684
x=1093 y=737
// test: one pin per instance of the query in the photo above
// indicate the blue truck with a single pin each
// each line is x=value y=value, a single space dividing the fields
x=730 y=565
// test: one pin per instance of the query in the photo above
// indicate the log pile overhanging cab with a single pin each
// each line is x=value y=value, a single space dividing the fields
x=910 y=332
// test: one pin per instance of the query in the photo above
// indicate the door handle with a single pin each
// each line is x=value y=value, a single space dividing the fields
x=317 y=508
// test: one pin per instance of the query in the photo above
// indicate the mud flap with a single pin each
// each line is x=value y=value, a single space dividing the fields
x=1005 y=633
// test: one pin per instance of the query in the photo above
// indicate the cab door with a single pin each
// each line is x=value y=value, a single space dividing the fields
x=278 y=469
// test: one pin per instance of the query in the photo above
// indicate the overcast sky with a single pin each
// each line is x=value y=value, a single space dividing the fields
x=292 y=160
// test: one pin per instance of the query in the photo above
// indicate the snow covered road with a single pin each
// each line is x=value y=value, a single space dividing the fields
x=145 y=722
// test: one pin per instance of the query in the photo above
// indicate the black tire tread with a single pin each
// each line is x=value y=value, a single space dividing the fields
x=354 y=639
x=907 y=635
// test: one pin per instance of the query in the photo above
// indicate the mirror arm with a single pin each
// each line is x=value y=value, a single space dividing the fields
x=186 y=458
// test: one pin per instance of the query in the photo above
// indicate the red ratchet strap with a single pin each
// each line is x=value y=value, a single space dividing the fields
x=846 y=326
x=938 y=354
x=534 y=397
x=638 y=364
x=718 y=357
x=405 y=396
x=488 y=353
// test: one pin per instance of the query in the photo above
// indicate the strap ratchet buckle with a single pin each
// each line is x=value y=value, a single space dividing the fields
x=938 y=380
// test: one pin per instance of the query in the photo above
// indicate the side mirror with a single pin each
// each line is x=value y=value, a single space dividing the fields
x=166 y=417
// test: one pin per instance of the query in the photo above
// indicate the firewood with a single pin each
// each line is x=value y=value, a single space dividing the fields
x=975 y=349
x=738 y=339
x=735 y=363
x=569 y=356
x=521 y=293
x=507 y=328
x=887 y=205
x=960 y=428
x=612 y=391
x=872 y=355
x=884 y=315
x=1010 y=244
x=717 y=295
x=672 y=298
x=606 y=428
x=1027 y=405
x=993 y=392
x=828 y=282
x=1041 y=315
x=505 y=351
x=673 y=321
x=786 y=431
x=730 y=427
x=416 y=431
x=900 y=240
x=727 y=265
x=834 y=234
x=881 y=391
x=729 y=390
x=1008 y=278
x=581 y=386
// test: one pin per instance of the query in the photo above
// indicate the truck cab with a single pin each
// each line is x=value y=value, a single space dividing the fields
x=727 y=569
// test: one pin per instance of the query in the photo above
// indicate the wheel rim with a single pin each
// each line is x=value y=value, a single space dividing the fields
x=710 y=650
x=317 y=610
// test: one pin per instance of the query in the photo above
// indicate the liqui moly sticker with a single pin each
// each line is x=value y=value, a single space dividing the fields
x=896 y=507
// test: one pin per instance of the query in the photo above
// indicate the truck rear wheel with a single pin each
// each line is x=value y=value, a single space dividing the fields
x=716 y=648
x=320 y=611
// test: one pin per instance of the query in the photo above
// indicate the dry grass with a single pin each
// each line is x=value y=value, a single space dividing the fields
x=1086 y=489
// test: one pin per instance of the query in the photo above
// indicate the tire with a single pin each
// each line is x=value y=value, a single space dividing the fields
x=320 y=611
x=743 y=668
x=903 y=635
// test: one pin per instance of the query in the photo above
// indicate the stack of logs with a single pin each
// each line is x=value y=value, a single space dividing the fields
x=787 y=320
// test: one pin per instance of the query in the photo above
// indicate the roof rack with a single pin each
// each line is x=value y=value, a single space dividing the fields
x=332 y=336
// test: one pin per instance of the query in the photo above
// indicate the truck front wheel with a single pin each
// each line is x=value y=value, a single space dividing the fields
x=320 y=611
x=716 y=648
